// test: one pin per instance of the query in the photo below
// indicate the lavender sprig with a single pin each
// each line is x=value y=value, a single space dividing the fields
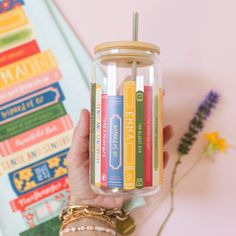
x=186 y=142
x=197 y=123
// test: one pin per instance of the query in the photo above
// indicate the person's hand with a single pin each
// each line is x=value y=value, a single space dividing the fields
x=78 y=167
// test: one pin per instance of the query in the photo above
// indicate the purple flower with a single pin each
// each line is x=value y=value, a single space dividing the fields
x=197 y=122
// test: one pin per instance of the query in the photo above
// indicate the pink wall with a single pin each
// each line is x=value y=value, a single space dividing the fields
x=198 y=50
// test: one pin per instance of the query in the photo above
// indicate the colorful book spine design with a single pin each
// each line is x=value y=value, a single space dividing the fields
x=38 y=174
x=12 y=20
x=25 y=201
x=31 y=121
x=14 y=38
x=155 y=172
x=92 y=132
x=27 y=68
x=31 y=103
x=7 y=5
x=160 y=135
x=36 y=152
x=19 y=53
x=115 y=137
x=50 y=227
x=104 y=137
x=129 y=88
x=36 y=135
x=46 y=208
x=35 y=130
x=148 y=134
x=139 y=139
x=98 y=114
x=30 y=85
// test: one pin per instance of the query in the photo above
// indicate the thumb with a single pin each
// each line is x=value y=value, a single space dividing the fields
x=79 y=151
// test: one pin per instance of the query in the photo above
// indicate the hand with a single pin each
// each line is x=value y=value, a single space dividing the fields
x=78 y=167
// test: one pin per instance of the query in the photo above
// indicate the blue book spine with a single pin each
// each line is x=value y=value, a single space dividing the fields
x=115 y=137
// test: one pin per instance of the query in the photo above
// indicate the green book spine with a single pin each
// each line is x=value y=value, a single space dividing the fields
x=139 y=139
x=48 y=228
x=31 y=121
x=16 y=37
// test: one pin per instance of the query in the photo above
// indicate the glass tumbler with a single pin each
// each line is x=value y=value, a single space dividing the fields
x=126 y=128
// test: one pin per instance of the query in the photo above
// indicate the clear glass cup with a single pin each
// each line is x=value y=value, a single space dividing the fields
x=126 y=135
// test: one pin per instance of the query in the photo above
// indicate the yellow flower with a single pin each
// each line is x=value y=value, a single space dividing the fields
x=26 y=174
x=222 y=145
x=212 y=137
x=216 y=143
x=18 y=183
x=54 y=162
x=60 y=171
x=30 y=185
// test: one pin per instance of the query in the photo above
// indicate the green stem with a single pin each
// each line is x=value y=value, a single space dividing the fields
x=172 y=186
x=188 y=171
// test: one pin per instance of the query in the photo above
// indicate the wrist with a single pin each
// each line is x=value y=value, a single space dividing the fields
x=87 y=226
x=84 y=201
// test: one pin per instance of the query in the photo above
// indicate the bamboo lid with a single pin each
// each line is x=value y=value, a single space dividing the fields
x=135 y=45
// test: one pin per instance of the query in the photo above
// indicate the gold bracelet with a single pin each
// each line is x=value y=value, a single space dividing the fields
x=76 y=217
x=107 y=216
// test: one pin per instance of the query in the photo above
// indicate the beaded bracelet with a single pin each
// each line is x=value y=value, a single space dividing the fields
x=88 y=228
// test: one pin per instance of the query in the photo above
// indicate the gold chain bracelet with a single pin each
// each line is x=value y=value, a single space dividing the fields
x=108 y=216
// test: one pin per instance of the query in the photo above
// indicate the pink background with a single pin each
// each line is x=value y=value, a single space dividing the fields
x=198 y=50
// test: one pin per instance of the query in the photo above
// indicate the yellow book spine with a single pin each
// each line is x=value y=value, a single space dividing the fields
x=129 y=89
x=12 y=20
x=26 y=68
x=158 y=138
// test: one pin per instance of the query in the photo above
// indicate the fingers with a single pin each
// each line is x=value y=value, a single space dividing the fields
x=166 y=158
x=80 y=141
x=168 y=133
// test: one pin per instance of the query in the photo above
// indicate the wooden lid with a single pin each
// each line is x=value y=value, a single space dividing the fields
x=136 y=45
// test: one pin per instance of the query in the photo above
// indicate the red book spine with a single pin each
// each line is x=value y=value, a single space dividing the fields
x=19 y=53
x=148 y=142
x=104 y=143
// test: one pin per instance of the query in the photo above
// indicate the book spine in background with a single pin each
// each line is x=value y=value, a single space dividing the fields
x=12 y=20
x=36 y=135
x=129 y=134
x=148 y=142
x=104 y=137
x=8 y=5
x=98 y=135
x=139 y=139
x=115 y=136
x=19 y=53
x=25 y=69
x=16 y=37
x=160 y=135
x=31 y=103
x=31 y=121
x=156 y=173
x=30 y=85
